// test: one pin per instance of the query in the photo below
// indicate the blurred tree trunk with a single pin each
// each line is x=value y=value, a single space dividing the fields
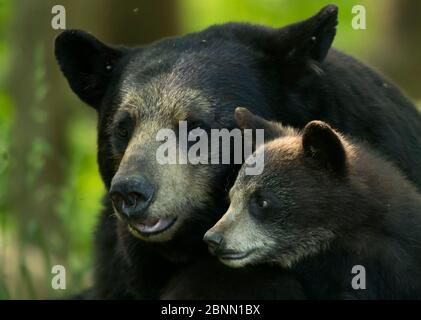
x=39 y=146
x=400 y=55
x=44 y=106
x=136 y=22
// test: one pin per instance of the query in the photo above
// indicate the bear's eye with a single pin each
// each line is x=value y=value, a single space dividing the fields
x=263 y=203
x=195 y=124
x=122 y=132
x=258 y=206
x=195 y=129
x=123 y=126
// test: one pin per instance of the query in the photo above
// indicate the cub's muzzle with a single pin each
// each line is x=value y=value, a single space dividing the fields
x=214 y=241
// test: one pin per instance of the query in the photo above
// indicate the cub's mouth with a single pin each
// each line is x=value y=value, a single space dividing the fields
x=236 y=259
x=151 y=227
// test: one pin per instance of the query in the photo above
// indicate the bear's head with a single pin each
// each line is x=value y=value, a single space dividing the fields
x=297 y=205
x=198 y=78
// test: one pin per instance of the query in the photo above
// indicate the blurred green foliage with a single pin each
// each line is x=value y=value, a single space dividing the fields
x=6 y=122
x=196 y=15
x=25 y=252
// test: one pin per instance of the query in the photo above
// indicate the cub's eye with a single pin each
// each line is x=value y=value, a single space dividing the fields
x=122 y=132
x=258 y=206
x=263 y=203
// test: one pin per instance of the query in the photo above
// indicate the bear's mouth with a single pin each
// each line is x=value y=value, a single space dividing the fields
x=233 y=255
x=151 y=226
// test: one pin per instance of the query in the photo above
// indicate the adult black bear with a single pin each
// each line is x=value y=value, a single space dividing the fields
x=324 y=208
x=208 y=279
x=288 y=74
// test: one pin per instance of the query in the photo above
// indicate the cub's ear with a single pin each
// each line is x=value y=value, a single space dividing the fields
x=86 y=63
x=247 y=120
x=311 y=38
x=321 y=143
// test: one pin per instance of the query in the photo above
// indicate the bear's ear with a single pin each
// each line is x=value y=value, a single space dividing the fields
x=86 y=63
x=247 y=120
x=311 y=38
x=321 y=143
x=297 y=49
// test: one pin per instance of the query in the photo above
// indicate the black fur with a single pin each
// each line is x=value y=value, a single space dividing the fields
x=324 y=145
x=211 y=280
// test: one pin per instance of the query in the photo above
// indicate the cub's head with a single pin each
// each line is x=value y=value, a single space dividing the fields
x=295 y=207
x=197 y=79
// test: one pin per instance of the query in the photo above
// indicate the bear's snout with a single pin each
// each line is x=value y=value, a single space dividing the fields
x=214 y=240
x=131 y=196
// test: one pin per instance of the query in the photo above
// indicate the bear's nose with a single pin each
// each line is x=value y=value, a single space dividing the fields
x=213 y=239
x=131 y=196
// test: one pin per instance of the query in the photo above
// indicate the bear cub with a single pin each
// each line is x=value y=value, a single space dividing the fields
x=343 y=220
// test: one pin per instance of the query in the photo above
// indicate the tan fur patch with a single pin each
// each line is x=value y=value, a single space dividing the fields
x=178 y=187
x=306 y=243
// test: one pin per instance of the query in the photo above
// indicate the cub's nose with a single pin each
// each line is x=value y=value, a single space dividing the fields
x=213 y=239
x=131 y=196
